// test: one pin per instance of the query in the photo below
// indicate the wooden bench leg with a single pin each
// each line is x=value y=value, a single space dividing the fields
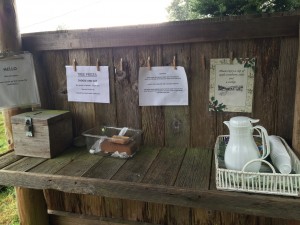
x=32 y=207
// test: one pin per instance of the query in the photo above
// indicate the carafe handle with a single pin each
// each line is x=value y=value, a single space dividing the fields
x=265 y=140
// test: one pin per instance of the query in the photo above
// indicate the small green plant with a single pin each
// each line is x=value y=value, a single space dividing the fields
x=215 y=106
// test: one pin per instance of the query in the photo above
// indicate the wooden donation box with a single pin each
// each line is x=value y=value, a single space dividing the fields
x=43 y=133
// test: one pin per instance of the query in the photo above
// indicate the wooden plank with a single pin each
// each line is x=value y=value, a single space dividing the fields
x=51 y=166
x=260 y=205
x=83 y=112
x=266 y=78
x=128 y=111
x=24 y=164
x=8 y=159
x=177 y=118
x=166 y=33
x=80 y=165
x=32 y=208
x=54 y=63
x=105 y=168
x=177 y=215
x=296 y=127
x=196 y=161
x=152 y=116
x=286 y=88
x=67 y=218
x=201 y=118
x=105 y=114
x=135 y=169
x=165 y=167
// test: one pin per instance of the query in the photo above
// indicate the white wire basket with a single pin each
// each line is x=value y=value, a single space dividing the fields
x=267 y=181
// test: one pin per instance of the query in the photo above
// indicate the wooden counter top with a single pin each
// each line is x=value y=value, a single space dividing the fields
x=176 y=176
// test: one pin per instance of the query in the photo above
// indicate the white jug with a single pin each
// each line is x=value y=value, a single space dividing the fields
x=241 y=147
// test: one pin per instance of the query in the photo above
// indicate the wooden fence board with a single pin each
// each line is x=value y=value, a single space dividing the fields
x=152 y=116
x=105 y=114
x=177 y=118
x=126 y=85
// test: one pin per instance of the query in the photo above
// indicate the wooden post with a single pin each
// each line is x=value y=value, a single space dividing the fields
x=31 y=203
x=32 y=207
x=296 y=128
x=10 y=40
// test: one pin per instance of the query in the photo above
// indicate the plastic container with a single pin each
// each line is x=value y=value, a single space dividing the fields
x=279 y=155
x=114 y=137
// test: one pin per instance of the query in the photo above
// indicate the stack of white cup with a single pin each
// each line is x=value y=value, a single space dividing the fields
x=279 y=155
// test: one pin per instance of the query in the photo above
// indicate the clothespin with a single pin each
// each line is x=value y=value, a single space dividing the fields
x=98 y=65
x=149 y=63
x=174 y=62
x=121 y=64
x=203 y=62
x=74 y=64
x=231 y=57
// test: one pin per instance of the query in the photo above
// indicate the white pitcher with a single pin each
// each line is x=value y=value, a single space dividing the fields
x=241 y=147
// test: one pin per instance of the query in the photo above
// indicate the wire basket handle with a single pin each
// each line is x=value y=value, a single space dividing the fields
x=258 y=160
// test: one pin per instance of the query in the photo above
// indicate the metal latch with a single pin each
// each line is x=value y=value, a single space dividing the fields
x=28 y=127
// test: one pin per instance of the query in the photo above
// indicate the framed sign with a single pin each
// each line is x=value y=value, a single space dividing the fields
x=231 y=84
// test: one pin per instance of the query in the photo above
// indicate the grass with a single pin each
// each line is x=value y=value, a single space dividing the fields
x=3 y=142
x=8 y=207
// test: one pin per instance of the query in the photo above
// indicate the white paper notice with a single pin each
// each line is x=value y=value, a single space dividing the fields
x=162 y=86
x=18 y=85
x=86 y=84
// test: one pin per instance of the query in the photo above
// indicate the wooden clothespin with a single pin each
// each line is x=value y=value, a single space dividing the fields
x=98 y=65
x=231 y=57
x=149 y=63
x=74 y=64
x=174 y=62
x=121 y=64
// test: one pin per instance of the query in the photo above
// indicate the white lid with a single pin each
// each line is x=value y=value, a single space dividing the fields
x=242 y=121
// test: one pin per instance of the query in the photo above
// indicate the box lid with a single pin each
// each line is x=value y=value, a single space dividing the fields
x=42 y=117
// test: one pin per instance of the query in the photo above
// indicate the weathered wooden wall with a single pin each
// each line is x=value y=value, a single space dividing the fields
x=272 y=40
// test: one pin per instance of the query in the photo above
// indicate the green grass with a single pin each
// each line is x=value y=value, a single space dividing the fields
x=3 y=142
x=8 y=207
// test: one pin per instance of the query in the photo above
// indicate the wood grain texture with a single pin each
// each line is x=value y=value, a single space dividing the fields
x=152 y=116
x=296 y=127
x=166 y=33
x=287 y=72
x=105 y=114
x=10 y=38
x=196 y=161
x=177 y=118
x=126 y=84
x=164 y=169
x=8 y=159
x=135 y=170
x=29 y=215
x=84 y=113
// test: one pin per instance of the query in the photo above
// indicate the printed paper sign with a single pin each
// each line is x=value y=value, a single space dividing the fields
x=231 y=85
x=162 y=86
x=86 y=84
x=18 y=86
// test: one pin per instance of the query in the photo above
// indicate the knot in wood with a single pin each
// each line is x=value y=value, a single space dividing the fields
x=176 y=125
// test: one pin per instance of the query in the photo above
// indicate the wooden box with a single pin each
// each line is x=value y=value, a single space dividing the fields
x=43 y=133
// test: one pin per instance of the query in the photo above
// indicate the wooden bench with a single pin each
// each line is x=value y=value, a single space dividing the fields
x=176 y=176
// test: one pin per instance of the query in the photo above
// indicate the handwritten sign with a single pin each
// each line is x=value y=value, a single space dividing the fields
x=231 y=85
x=86 y=84
x=18 y=86
x=162 y=86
